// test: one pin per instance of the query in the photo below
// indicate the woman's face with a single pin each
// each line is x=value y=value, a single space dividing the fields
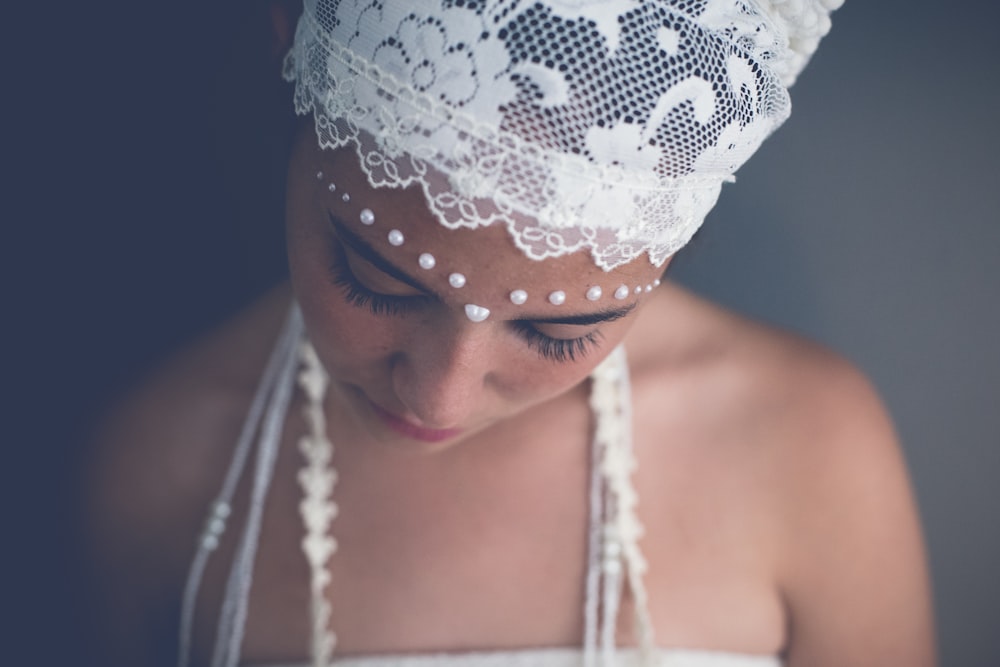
x=397 y=337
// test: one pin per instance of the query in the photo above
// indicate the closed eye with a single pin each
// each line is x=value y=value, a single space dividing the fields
x=556 y=349
x=360 y=295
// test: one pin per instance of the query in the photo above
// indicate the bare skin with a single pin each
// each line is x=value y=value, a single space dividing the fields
x=777 y=510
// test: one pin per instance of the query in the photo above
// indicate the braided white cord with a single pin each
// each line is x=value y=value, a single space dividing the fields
x=232 y=617
x=317 y=479
x=611 y=402
x=215 y=522
x=596 y=497
x=611 y=568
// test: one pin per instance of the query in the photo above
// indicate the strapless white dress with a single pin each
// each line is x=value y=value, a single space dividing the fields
x=549 y=658
x=614 y=560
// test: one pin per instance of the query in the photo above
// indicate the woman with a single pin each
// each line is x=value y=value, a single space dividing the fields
x=481 y=202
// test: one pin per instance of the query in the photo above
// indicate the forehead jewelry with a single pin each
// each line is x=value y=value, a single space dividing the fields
x=476 y=313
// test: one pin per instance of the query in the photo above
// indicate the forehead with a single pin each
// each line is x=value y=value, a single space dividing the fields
x=397 y=224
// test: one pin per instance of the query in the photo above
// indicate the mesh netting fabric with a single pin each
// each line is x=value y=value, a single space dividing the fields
x=606 y=125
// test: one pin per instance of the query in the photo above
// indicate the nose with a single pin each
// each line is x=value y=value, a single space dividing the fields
x=442 y=373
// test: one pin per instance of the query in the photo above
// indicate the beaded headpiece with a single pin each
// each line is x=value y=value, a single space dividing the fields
x=606 y=125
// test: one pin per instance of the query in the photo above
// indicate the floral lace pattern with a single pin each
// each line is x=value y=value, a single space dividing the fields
x=606 y=125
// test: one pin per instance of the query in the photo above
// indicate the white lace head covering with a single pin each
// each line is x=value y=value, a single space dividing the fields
x=608 y=125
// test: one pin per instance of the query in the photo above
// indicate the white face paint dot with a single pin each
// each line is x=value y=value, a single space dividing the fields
x=319 y=175
x=649 y=288
x=557 y=298
x=331 y=187
x=426 y=260
x=476 y=313
x=395 y=237
x=518 y=296
x=367 y=217
x=346 y=197
x=638 y=288
x=594 y=293
x=621 y=292
x=656 y=283
x=456 y=280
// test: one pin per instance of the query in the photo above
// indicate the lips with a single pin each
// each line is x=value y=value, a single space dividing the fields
x=411 y=430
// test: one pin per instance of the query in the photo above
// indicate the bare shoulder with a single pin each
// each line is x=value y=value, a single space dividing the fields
x=816 y=453
x=159 y=456
x=751 y=377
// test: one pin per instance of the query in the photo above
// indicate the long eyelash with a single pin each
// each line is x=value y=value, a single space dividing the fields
x=362 y=297
x=554 y=349
x=557 y=349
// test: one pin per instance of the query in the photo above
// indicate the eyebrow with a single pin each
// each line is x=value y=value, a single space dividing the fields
x=364 y=249
x=368 y=253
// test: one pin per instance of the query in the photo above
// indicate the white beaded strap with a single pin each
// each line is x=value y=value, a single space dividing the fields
x=232 y=617
x=215 y=522
x=596 y=522
x=317 y=479
x=611 y=402
x=611 y=569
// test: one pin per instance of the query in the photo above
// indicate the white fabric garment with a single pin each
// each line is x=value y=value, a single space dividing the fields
x=548 y=658
x=612 y=524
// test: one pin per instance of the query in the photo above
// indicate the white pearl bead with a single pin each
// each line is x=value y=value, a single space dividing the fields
x=612 y=549
x=209 y=542
x=456 y=280
x=621 y=292
x=216 y=526
x=331 y=187
x=557 y=298
x=594 y=293
x=319 y=175
x=476 y=313
x=426 y=261
x=395 y=237
x=345 y=197
x=367 y=216
x=518 y=296
x=221 y=509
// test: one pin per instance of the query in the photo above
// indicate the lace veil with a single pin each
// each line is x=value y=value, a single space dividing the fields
x=606 y=125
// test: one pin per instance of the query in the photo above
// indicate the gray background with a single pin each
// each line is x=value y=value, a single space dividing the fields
x=870 y=222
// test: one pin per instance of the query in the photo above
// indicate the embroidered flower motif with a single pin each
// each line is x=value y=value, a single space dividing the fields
x=622 y=144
